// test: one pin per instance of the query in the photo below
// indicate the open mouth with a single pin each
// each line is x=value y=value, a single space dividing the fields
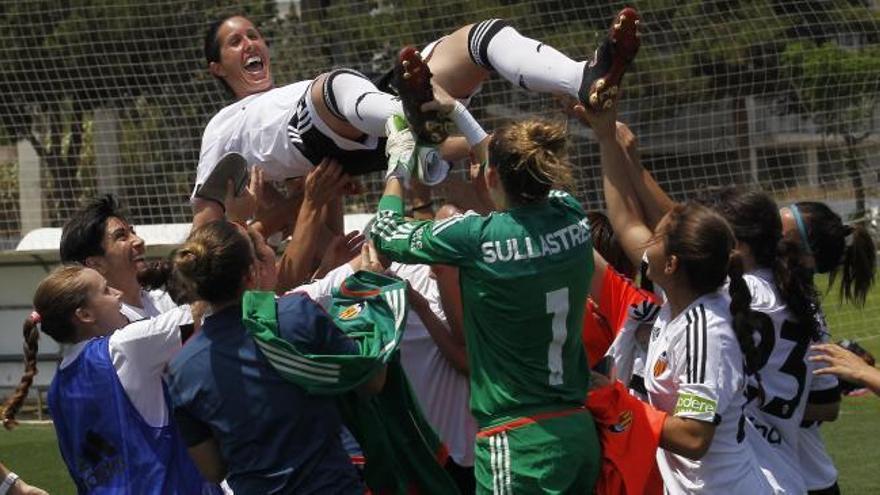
x=254 y=64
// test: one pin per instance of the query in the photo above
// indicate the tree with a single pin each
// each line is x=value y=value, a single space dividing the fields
x=63 y=61
x=839 y=89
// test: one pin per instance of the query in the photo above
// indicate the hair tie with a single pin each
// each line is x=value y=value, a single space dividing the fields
x=802 y=229
x=38 y=320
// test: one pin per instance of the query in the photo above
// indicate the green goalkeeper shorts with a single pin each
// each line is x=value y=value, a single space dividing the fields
x=552 y=452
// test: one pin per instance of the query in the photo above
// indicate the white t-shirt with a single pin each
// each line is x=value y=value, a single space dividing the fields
x=153 y=303
x=139 y=352
x=442 y=391
x=695 y=370
x=785 y=379
x=817 y=467
x=256 y=127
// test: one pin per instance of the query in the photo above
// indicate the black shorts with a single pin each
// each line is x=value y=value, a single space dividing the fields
x=316 y=146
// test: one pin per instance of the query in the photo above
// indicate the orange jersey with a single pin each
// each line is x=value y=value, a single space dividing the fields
x=603 y=321
x=629 y=431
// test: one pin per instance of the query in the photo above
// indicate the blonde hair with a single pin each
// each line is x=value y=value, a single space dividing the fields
x=532 y=158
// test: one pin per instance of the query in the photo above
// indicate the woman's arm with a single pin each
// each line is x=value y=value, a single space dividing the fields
x=453 y=351
x=295 y=266
x=688 y=437
x=846 y=365
x=624 y=210
x=654 y=201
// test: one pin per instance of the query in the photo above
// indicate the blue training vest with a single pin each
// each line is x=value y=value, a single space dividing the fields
x=106 y=444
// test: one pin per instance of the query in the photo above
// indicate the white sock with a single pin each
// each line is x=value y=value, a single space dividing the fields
x=352 y=97
x=523 y=61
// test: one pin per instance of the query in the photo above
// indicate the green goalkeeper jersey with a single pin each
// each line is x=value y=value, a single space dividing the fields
x=524 y=274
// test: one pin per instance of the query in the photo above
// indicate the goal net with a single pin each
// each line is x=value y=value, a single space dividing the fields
x=112 y=96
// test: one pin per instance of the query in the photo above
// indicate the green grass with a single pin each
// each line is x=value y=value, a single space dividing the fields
x=31 y=451
x=850 y=439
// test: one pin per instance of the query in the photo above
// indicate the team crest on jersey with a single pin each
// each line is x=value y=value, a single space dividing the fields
x=624 y=420
x=655 y=332
x=661 y=364
x=351 y=312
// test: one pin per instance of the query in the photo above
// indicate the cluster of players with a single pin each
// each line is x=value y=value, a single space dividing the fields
x=163 y=388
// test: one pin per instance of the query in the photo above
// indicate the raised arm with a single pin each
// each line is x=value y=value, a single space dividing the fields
x=295 y=266
x=654 y=201
x=624 y=209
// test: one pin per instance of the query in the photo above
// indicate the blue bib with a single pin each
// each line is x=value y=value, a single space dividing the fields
x=106 y=444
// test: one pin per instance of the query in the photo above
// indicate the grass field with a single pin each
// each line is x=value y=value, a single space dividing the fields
x=32 y=452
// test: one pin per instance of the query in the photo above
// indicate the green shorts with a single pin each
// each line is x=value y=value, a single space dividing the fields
x=555 y=452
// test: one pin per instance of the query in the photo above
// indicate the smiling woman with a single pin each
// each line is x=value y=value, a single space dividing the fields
x=106 y=435
x=99 y=237
x=286 y=130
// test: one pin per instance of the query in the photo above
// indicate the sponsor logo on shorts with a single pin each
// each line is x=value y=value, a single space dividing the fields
x=690 y=403
x=661 y=364
x=624 y=420
x=351 y=311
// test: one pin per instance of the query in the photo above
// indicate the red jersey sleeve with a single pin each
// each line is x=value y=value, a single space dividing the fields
x=603 y=321
x=618 y=295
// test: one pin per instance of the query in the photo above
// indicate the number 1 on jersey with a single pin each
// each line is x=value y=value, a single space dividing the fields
x=557 y=305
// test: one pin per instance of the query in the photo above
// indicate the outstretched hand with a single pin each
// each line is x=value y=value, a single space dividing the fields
x=370 y=259
x=325 y=182
x=341 y=250
x=243 y=207
x=602 y=122
x=840 y=362
x=442 y=103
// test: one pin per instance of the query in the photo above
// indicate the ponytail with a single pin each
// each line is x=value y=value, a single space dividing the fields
x=31 y=332
x=859 y=265
x=838 y=249
x=746 y=323
x=156 y=275
x=532 y=158
x=795 y=283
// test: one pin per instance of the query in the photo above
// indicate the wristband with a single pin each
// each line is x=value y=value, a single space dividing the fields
x=10 y=480
x=467 y=124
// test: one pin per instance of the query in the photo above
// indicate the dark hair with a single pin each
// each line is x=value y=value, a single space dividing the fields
x=704 y=244
x=160 y=274
x=746 y=322
x=532 y=158
x=755 y=220
x=83 y=234
x=212 y=44
x=605 y=242
x=702 y=241
x=856 y=263
x=213 y=261
x=56 y=300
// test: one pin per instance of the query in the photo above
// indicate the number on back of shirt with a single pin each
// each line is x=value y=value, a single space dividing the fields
x=557 y=305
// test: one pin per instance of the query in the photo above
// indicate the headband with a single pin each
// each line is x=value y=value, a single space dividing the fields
x=802 y=229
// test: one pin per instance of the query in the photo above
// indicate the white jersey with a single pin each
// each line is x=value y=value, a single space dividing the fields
x=140 y=352
x=442 y=391
x=695 y=370
x=153 y=303
x=785 y=380
x=816 y=465
x=256 y=127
